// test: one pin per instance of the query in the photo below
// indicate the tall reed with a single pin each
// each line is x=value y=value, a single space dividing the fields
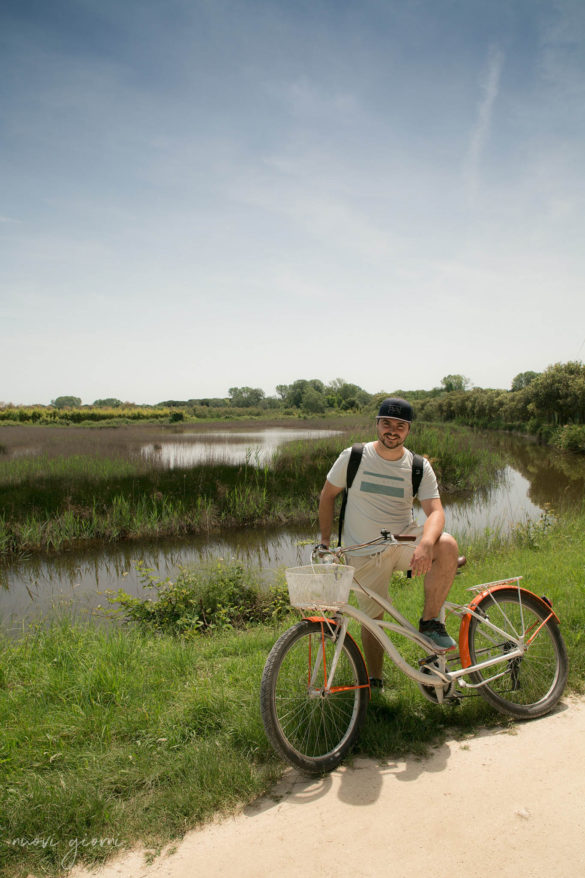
x=55 y=502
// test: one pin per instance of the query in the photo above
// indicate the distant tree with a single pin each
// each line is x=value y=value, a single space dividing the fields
x=66 y=402
x=346 y=395
x=523 y=379
x=313 y=401
x=557 y=396
x=455 y=382
x=245 y=397
x=293 y=394
x=210 y=402
x=109 y=403
x=311 y=394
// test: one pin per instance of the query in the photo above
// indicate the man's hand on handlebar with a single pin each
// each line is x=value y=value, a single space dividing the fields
x=322 y=554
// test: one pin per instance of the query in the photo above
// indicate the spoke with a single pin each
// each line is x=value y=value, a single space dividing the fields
x=528 y=678
x=314 y=723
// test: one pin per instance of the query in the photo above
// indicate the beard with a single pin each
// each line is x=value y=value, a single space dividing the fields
x=389 y=441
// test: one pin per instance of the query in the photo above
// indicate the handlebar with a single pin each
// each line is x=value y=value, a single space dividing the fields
x=321 y=553
x=386 y=538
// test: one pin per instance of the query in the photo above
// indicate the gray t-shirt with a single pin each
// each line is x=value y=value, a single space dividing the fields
x=380 y=497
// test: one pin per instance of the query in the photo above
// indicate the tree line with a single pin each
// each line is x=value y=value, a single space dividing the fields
x=550 y=404
x=311 y=396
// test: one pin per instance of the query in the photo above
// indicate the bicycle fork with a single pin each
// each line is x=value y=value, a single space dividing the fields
x=338 y=631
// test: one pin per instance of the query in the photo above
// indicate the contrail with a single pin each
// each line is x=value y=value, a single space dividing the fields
x=490 y=86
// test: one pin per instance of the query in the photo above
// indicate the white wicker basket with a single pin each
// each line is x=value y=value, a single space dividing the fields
x=319 y=585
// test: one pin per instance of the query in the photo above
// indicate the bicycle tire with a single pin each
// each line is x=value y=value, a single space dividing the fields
x=533 y=683
x=310 y=729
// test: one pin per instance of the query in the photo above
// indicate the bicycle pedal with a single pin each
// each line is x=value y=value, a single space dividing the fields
x=429 y=660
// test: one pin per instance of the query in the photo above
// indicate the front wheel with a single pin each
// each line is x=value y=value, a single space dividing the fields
x=312 y=725
x=528 y=685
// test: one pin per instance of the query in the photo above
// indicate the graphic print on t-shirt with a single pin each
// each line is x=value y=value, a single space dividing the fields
x=391 y=490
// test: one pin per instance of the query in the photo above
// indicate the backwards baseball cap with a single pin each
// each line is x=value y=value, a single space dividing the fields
x=394 y=407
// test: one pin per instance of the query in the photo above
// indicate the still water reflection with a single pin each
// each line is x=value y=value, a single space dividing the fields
x=79 y=581
x=497 y=508
x=255 y=447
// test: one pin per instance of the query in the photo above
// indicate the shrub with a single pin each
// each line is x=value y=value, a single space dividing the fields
x=571 y=437
x=217 y=596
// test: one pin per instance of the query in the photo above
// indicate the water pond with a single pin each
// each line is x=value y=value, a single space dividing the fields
x=226 y=446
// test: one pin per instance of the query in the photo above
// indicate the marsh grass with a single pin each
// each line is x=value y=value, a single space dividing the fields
x=52 y=502
x=459 y=457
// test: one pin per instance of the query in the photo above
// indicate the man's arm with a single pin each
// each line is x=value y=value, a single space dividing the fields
x=327 y=510
x=433 y=527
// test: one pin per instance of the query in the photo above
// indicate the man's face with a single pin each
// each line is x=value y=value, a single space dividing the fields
x=392 y=432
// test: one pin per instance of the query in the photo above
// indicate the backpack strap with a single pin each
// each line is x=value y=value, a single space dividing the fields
x=352 y=467
x=417 y=473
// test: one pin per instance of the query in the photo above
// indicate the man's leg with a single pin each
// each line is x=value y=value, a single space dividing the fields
x=439 y=579
x=374 y=653
x=374 y=573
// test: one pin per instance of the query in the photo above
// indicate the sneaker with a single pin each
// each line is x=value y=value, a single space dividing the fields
x=434 y=630
x=376 y=686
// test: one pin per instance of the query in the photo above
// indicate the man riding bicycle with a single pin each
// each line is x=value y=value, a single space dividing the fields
x=381 y=498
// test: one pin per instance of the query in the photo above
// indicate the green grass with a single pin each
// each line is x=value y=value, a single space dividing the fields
x=131 y=735
x=114 y=734
x=53 y=502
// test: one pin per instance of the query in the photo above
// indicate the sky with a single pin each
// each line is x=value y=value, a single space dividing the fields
x=202 y=194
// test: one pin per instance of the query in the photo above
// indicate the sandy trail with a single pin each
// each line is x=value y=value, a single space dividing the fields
x=502 y=803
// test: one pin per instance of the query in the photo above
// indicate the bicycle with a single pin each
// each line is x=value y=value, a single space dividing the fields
x=315 y=688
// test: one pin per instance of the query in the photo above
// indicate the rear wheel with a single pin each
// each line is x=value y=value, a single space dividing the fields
x=313 y=728
x=531 y=684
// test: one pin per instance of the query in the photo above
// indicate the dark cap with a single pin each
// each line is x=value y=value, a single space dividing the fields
x=394 y=407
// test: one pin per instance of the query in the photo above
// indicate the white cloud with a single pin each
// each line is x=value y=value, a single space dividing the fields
x=489 y=85
x=562 y=59
x=307 y=100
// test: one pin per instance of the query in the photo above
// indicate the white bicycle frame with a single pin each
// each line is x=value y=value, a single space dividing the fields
x=437 y=668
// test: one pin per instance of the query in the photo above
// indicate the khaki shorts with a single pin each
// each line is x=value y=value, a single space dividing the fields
x=375 y=571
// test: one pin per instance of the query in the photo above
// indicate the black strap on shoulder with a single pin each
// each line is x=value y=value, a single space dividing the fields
x=352 y=467
x=417 y=473
x=353 y=463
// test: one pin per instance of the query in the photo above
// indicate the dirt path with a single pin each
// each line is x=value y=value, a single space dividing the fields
x=498 y=803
